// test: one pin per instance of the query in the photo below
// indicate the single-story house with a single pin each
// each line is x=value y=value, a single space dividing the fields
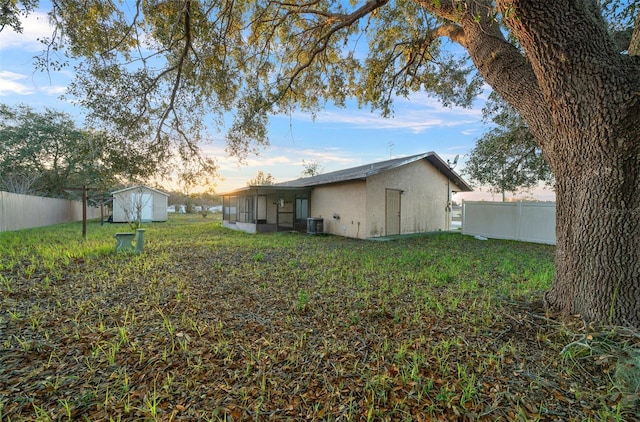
x=132 y=203
x=398 y=196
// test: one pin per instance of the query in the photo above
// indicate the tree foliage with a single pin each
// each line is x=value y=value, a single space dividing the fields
x=262 y=179
x=161 y=72
x=311 y=168
x=507 y=157
x=12 y=11
x=44 y=153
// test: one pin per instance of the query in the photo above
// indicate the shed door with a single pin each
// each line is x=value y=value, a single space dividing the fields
x=142 y=204
x=392 y=212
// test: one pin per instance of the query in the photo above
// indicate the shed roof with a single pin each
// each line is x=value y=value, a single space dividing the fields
x=367 y=170
x=139 y=187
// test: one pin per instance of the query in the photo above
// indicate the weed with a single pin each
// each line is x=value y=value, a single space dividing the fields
x=6 y=282
x=627 y=372
x=468 y=382
x=110 y=350
x=14 y=315
x=303 y=299
x=24 y=344
x=123 y=336
x=41 y=414
x=166 y=322
x=67 y=408
x=151 y=401
x=445 y=396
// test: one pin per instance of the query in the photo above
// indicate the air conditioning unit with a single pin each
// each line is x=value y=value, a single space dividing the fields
x=315 y=225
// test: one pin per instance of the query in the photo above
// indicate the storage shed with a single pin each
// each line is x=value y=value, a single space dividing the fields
x=139 y=202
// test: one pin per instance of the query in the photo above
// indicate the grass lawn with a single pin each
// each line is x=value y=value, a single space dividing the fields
x=212 y=324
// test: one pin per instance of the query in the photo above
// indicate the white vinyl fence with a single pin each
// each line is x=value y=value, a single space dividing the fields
x=524 y=221
x=26 y=211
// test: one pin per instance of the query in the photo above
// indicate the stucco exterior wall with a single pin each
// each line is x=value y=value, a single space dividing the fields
x=346 y=200
x=423 y=201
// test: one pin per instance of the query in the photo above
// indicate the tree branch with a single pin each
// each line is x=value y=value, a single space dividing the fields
x=452 y=31
x=343 y=21
x=179 y=66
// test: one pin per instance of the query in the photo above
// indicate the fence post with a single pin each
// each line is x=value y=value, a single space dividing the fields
x=519 y=221
x=463 y=215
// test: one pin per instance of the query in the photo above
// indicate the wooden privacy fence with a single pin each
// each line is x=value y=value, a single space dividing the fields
x=26 y=211
x=524 y=221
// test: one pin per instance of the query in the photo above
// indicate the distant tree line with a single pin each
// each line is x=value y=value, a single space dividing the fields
x=46 y=153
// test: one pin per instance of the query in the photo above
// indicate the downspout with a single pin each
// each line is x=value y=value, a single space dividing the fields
x=447 y=212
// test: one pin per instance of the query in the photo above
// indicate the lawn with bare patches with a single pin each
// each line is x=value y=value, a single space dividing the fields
x=211 y=324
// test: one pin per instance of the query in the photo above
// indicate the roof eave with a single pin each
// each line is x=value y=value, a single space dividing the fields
x=263 y=189
x=137 y=187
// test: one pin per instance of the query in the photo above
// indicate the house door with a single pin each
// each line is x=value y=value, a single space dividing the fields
x=392 y=212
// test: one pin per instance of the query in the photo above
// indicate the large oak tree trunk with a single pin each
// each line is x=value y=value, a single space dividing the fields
x=592 y=140
x=598 y=239
x=581 y=99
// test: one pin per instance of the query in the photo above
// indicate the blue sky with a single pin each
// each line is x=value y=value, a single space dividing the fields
x=336 y=138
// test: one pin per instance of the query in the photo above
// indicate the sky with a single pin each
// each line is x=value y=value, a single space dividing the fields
x=336 y=138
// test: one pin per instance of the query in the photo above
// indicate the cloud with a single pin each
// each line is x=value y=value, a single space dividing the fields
x=54 y=90
x=14 y=84
x=10 y=83
x=283 y=163
x=416 y=114
x=268 y=160
x=35 y=26
x=415 y=121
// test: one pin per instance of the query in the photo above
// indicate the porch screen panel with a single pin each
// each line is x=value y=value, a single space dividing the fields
x=262 y=208
x=248 y=211
x=231 y=208
x=285 y=219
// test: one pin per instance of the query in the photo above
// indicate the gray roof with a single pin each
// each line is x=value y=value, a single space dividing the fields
x=367 y=170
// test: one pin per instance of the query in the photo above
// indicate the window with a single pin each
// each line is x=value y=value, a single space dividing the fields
x=302 y=208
